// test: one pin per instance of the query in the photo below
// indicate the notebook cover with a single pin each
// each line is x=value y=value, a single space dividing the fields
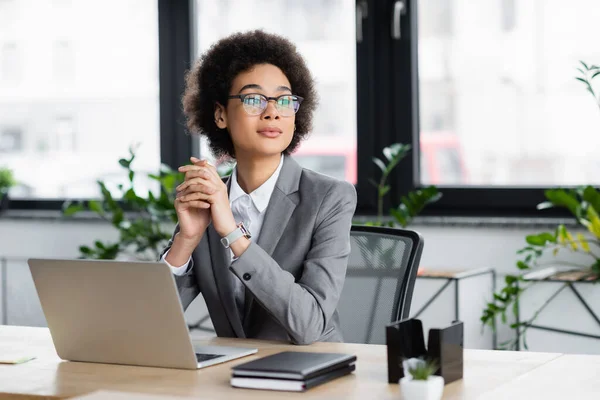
x=293 y=365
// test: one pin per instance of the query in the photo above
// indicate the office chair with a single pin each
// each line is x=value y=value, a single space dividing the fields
x=382 y=269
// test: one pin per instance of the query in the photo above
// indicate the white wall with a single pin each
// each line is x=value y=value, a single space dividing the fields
x=446 y=247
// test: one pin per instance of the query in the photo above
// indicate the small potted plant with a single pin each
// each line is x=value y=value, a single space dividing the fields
x=7 y=181
x=419 y=382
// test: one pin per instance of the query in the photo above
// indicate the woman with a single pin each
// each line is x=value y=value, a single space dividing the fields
x=268 y=248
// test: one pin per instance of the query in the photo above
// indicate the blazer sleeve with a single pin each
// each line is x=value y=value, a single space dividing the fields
x=304 y=307
x=187 y=285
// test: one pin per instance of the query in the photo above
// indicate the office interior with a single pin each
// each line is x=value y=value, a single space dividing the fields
x=498 y=100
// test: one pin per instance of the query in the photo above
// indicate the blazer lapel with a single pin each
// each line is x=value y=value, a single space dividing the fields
x=277 y=215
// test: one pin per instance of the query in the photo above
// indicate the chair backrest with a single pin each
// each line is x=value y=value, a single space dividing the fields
x=382 y=269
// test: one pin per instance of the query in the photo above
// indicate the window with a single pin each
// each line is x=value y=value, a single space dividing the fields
x=64 y=61
x=501 y=91
x=324 y=32
x=60 y=138
x=508 y=14
x=10 y=64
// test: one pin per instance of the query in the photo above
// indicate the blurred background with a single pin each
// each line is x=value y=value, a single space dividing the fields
x=499 y=105
x=484 y=91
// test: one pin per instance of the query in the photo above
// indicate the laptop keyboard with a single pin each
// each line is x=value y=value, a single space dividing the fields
x=205 y=357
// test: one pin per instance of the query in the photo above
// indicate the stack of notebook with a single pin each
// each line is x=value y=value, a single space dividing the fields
x=292 y=371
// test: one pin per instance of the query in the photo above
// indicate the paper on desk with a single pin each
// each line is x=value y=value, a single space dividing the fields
x=14 y=358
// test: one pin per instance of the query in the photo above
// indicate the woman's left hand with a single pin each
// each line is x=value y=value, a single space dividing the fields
x=204 y=183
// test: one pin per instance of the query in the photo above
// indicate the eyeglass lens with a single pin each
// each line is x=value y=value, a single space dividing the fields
x=287 y=105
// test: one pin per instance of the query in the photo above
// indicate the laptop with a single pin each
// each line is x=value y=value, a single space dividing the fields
x=120 y=312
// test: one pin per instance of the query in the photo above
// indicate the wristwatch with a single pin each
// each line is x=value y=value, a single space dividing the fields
x=239 y=232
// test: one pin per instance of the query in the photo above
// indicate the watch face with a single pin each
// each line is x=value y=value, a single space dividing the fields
x=244 y=230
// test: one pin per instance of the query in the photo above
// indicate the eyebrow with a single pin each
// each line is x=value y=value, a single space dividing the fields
x=255 y=86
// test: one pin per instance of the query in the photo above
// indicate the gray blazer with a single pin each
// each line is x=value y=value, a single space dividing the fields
x=293 y=275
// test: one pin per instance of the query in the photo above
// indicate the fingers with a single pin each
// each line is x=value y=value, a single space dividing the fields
x=184 y=205
x=193 y=171
x=205 y=163
x=197 y=184
x=199 y=174
x=196 y=196
x=201 y=165
x=202 y=185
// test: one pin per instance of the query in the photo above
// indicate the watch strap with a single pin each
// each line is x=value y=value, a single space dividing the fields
x=238 y=232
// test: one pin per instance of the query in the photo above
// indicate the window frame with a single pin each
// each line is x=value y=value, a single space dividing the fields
x=396 y=78
x=387 y=112
x=174 y=54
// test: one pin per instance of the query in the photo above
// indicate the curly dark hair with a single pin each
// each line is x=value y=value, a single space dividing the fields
x=210 y=81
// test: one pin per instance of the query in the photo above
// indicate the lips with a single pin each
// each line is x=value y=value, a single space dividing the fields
x=270 y=132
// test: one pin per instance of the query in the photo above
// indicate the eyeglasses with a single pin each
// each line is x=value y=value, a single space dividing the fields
x=256 y=103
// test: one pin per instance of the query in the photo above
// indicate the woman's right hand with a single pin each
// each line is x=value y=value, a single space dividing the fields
x=194 y=216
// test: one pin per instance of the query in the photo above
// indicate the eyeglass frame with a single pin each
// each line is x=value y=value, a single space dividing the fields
x=300 y=99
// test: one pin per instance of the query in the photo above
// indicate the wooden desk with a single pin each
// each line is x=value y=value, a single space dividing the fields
x=50 y=377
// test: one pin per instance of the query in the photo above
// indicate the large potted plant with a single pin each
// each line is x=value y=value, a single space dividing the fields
x=543 y=249
x=7 y=181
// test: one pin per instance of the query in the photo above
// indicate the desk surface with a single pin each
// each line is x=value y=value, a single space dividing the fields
x=486 y=372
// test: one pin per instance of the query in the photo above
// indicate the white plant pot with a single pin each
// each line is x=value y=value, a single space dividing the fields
x=431 y=389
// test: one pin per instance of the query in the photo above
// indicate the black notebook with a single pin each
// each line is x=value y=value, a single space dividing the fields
x=290 y=384
x=291 y=370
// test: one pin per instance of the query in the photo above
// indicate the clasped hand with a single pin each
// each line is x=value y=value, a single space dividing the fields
x=203 y=189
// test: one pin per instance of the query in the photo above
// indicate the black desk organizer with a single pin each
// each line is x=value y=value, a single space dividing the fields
x=405 y=339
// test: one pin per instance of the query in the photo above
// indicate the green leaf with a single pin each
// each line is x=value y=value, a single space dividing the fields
x=107 y=196
x=525 y=250
x=117 y=217
x=85 y=250
x=399 y=216
x=515 y=308
x=582 y=80
x=595 y=74
x=499 y=298
x=510 y=279
x=584 y=65
x=124 y=163
x=95 y=206
x=521 y=265
x=131 y=175
x=131 y=196
x=540 y=239
x=396 y=152
x=380 y=164
x=384 y=190
x=387 y=152
x=592 y=196
x=72 y=209
x=132 y=150
x=563 y=198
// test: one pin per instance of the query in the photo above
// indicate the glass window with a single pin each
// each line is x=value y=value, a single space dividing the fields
x=324 y=32
x=499 y=90
x=76 y=92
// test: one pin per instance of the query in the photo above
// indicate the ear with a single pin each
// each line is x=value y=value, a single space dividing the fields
x=220 y=116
